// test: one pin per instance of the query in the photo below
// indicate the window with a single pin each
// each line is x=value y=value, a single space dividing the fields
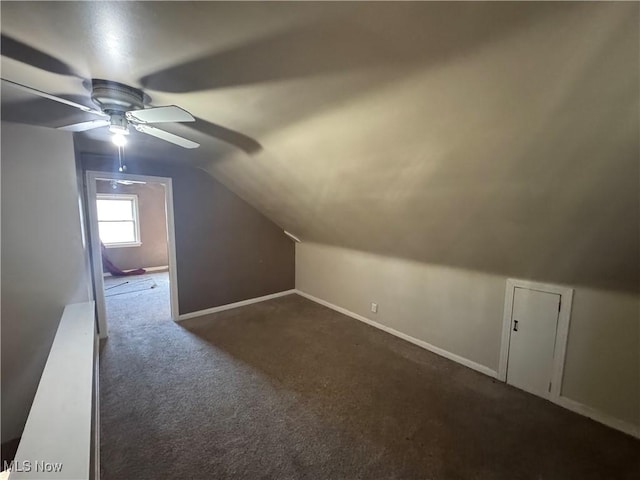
x=118 y=220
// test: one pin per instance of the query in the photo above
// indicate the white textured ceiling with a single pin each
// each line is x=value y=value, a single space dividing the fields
x=487 y=136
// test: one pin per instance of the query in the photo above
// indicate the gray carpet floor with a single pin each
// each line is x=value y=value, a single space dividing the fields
x=288 y=389
x=134 y=284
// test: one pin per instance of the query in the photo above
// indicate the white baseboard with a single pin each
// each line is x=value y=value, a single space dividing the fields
x=598 y=416
x=148 y=269
x=229 y=306
x=156 y=269
x=421 y=343
x=579 y=408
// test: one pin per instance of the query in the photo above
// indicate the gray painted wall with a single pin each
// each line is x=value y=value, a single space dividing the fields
x=505 y=143
x=153 y=227
x=43 y=261
x=461 y=312
x=226 y=250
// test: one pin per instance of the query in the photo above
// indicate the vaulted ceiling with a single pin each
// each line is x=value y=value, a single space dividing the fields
x=489 y=136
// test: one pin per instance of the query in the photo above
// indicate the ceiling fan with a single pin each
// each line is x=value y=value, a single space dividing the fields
x=122 y=107
x=22 y=52
x=116 y=181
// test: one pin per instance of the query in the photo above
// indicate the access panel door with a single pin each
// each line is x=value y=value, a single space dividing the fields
x=534 y=324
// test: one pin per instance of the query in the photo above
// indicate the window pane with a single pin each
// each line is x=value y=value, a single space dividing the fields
x=117 y=232
x=115 y=209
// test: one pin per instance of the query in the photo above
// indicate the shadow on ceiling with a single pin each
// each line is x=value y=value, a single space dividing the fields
x=387 y=36
x=15 y=49
x=232 y=137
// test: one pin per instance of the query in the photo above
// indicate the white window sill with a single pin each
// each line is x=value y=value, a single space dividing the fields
x=121 y=245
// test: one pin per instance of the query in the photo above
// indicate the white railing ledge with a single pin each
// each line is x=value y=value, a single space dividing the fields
x=56 y=441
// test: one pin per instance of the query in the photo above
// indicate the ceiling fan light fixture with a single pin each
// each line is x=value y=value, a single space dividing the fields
x=119 y=139
x=118 y=130
x=118 y=124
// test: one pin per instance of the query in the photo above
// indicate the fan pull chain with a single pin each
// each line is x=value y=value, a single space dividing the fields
x=123 y=167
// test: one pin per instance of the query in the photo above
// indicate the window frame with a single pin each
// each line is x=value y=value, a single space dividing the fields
x=136 y=218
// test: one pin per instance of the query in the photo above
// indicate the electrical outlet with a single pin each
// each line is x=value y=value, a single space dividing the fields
x=374 y=307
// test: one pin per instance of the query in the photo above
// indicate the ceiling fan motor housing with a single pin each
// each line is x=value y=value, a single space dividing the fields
x=114 y=97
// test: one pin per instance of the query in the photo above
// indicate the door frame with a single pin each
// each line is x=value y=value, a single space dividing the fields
x=562 y=331
x=94 y=238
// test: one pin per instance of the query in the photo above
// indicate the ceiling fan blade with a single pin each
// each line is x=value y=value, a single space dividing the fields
x=15 y=49
x=166 y=114
x=83 y=126
x=166 y=136
x=130 y=182
x=42 y=94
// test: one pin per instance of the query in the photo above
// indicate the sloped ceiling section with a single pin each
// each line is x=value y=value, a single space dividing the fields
x=487 y=136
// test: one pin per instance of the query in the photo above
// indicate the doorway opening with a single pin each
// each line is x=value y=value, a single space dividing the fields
x=534 y=337
x=131 y=228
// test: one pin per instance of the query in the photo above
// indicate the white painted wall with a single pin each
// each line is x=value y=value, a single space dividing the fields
x=602 y=367
x=460 y=311
x=43 y=262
